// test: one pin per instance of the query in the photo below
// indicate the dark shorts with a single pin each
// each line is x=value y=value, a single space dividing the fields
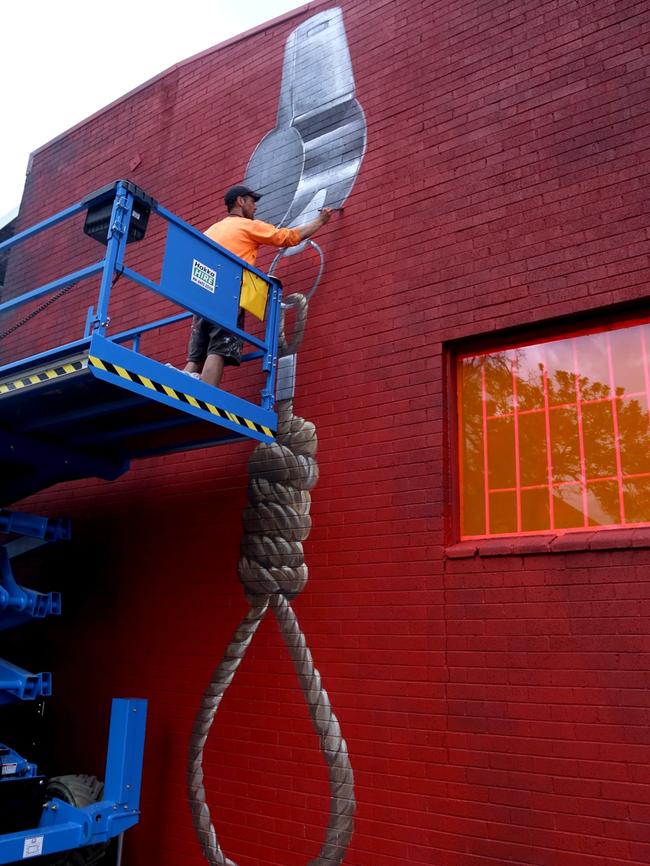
x=208 y=339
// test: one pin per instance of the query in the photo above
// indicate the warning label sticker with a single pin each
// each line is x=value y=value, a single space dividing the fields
x=204 y=276
x=33 y=846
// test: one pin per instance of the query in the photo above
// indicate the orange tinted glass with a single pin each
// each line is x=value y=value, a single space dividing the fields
x=556 y=435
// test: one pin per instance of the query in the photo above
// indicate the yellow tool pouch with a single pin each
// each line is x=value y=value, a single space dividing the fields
x=254 y=294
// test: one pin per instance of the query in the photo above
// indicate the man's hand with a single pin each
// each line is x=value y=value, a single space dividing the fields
x=309 y=228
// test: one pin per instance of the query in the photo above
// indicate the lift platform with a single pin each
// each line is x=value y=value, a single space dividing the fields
x=89 y=407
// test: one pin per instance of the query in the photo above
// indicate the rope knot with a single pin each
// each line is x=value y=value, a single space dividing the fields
x=276 y=520
x=260 y=582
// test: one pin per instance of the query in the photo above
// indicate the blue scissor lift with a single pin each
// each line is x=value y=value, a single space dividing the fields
x=86 y=409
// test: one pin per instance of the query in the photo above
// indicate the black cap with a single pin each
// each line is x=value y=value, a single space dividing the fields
x=235 y=191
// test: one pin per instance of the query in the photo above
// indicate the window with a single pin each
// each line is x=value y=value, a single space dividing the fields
x=556 y=435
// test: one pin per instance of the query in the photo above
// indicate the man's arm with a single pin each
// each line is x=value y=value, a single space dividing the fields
x=312 y=227
x=265 y=233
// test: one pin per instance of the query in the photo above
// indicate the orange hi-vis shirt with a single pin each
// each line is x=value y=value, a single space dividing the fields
x=244 y=237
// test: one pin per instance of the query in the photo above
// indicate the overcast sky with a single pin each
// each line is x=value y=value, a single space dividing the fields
x=62 y=61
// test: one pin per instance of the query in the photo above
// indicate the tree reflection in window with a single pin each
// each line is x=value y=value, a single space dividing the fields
x=556 y=435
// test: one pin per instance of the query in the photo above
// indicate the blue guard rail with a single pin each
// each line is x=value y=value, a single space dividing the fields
x=88 y=407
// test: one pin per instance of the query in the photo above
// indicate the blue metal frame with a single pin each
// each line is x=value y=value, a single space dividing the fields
x=62 y=826
x=185 y=246
x=18 y=604
x=17 y=684
x=34 y=526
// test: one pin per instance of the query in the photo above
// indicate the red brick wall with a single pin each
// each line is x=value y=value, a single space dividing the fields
x=495 y=707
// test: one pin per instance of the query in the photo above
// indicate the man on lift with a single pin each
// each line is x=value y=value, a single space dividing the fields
x=212 y=347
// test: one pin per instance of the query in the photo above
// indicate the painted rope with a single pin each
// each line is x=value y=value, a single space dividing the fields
x=273 y=571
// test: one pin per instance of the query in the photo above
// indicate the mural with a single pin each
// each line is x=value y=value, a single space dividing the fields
x=309 y=161
x=312 y=157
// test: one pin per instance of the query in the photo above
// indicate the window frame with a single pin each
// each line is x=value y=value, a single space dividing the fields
x=596 y=322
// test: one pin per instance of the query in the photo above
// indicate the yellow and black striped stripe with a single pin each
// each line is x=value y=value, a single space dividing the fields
x=136 y=378
x=42 y=376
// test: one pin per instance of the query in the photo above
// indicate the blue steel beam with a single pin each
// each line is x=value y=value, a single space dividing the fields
x=123 y=336
x=22 y=523
x=125 y=752
x=39 y=606
x=44 y=224
x=270 y=364
x=17 y=684
x=59 y=283
x=19 y=604
x=114 y=261
x=71 y=831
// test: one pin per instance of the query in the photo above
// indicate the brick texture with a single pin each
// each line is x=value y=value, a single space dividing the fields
x=496 y=708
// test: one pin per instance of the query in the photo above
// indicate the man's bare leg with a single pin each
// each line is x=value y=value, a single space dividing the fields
x=192 y=367
x=212 y=370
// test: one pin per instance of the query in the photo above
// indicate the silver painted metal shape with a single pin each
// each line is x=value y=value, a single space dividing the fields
x=312 y=157
x=286 y=378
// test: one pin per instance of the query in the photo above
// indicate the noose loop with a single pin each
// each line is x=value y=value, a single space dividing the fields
x=273 y=571
x=220 y=681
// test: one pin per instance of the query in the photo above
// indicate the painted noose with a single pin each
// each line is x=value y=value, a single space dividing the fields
x=272 y=570
x=308 y=161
